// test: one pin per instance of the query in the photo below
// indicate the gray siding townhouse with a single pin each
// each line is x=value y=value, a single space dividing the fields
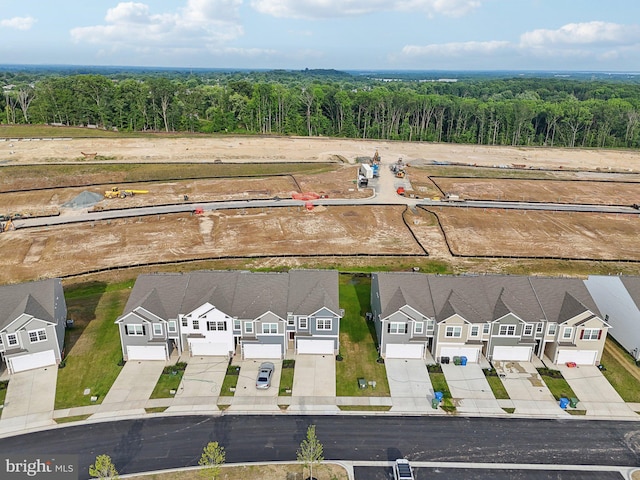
x=618 y=298
x=262 y=315
x=33 y=318
x=497 y=316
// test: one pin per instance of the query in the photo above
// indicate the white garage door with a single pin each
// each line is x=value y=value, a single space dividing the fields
x=514 y=354
x=147 y=352
x=399 y=350
x=580 y=357
x=208 y=349
x=470 y=353
x=33 y=360
x=324 y=347
x=257 y=350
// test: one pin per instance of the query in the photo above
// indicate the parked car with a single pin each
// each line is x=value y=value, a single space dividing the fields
x=402 y=470
x=265 y=372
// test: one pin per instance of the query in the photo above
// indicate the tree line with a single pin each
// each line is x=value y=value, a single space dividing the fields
x=492 y=111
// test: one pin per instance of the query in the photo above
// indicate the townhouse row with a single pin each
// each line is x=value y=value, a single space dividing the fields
x=272 y=315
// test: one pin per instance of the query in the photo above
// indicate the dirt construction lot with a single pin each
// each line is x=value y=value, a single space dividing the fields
x=76 y=248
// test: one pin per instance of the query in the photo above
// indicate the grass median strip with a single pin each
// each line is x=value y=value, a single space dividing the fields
x=556 y=383
x=497 y=387
x=439 y=383
x=230 y=381
x=169 y=381
x=286 y=378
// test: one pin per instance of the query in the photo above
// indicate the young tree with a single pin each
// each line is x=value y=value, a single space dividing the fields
x=310 y=451
x=103 y=468
x=212 y=458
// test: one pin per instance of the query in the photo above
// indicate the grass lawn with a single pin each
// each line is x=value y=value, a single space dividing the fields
x=92 y=345
x=3 y=393
x=618 y=373
x=364 y=408
x=497 y=387
x=557 y=384
x=439 y=383
x=286 y=378
x=169 y=380
x=73 y=418
x=230 y=381
x=358 y=341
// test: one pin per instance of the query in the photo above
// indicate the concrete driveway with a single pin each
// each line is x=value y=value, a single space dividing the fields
x=247 y=397
x=595 y=393
x=470 y=389
x=200 y=385
x=529 y=394
x=410 y=385
x=132 y=389
x=314 y=385
x=30 y=400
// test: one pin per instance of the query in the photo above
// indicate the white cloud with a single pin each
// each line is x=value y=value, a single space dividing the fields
x=199 y=25
x=456 y=49
x=589 y=33
x=18 y=23
x=344 y=8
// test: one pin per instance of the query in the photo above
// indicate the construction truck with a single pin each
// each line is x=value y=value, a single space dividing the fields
x=452 y=197
x=115 y=192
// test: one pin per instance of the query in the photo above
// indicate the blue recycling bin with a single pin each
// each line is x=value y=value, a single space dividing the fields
x=564 y=403
x=463 y=361
x=438 y=396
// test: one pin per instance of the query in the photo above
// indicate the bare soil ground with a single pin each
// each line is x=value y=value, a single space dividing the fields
x=49 y=252
x=474 y=231
x=586 y=192
x=297 y=149
x=327 y=471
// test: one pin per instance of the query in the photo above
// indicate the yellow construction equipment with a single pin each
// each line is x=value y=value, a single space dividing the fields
x=5 y=227
x=115 y=192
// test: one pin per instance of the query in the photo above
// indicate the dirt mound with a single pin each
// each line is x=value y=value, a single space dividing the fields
x=84 y=200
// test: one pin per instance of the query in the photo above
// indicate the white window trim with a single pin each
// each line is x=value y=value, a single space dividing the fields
x=553 y=326
x=237 y=324
x=135 y=330
x=264 y=325
x=431 y=325
x=14 y=337
x=41 y=335
x=324 y=324
x=172 y=326
x=506 y=333
x=195 y=324
x=477 y=328
x=291 y=321
x=395 y=328
x=303 y=323
x=539 y=327
x=248 y=327
x=486 y=329
x=157 y=329
x=567 y=333
x=418 y=328
x=591 y=332
x=528 y=326
x=456 y=331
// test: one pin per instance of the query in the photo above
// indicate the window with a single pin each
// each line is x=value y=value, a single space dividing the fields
x=173 y=327
x=269 y=328
x=486 y=328
x=291 y=321
x=591 y=334
x=475 y=331
x=551 y=330
x=418 y=328
x=1 y=340
x=539 y=327
x=430 y=325
x=12 y=339
x=397 y=327
x=453 y=332
x=185 y=322
x=37 y=335
x=302 y=323
x=507 y=330
x=196 y=324
x=248 y=327
x=236 y=324
x=217 y=326
x=567 y=333
x=323 y=324
x=157 y=329
x=528 y=329
x=135 y=329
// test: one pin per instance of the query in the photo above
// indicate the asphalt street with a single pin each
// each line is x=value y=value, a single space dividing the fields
x=177 y=441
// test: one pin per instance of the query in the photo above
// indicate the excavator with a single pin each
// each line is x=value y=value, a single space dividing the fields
x=115 y=192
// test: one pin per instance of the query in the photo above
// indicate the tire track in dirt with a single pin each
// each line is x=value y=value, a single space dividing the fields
x=619 y=356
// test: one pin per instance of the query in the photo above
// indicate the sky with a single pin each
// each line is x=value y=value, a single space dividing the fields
x=567 y=35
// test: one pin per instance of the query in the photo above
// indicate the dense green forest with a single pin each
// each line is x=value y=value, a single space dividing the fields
x=489 y=110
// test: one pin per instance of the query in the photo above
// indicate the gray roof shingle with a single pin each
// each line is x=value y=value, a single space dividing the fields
x=34 y=298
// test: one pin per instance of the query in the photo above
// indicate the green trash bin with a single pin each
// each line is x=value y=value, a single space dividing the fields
x=457 y=361
x=573 y=402
x=434 y=403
